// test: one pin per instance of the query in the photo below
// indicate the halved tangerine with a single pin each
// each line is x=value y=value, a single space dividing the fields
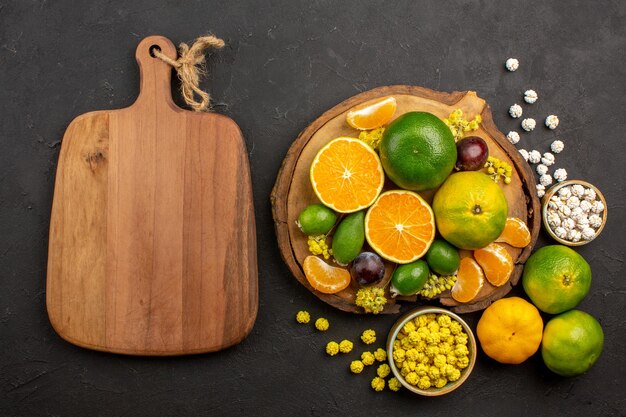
x=347 y=175
x=469 y=281
x=400 y=226
x=372 y=114
x=496 y=263
x=515 y=233
x=323 y=277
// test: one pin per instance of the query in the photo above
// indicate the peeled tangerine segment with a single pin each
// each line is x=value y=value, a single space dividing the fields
x=323 y=277
x=372 y=114
x=515 y=233
x=469 y=281
x=496 y=263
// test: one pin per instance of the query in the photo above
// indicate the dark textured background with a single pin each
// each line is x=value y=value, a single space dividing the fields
x=286 y=63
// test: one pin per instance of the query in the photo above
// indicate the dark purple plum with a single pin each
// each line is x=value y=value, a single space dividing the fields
x=472 y=153
x=367 y=268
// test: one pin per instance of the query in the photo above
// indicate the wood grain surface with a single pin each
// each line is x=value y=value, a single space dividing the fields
x=152 y=238
x=292 y=190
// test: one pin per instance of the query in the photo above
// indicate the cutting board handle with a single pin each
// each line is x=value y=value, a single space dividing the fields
x=155 y=75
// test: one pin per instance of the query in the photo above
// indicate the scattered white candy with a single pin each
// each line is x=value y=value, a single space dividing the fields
x=595 y=221
x=534 y=157
x=552 y=121
x=560 y=232
x=512 y=64
x=515 y=111
x=585 y=206
x=528 y=124
x=578 y=190
x=545 y=180
x=513 y=137
x=542 y=169
x=590 y=195
x=548 y=159
x=560 y=174
x=557 y=146
x=573 y=202
x=530 y=96
x=541 y=190
x=574 y=235
x=588 y=233
x=524 y=154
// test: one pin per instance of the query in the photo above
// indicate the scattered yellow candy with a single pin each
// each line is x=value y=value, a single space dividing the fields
x=383 y=370
x=356 y=367
x=368 y=337
x=378 y=384
x=380 y=354
x=345 y=346
x=322 y=324
x=394 y=384
x=303 y=317
x=367 y=358
x=332 y=348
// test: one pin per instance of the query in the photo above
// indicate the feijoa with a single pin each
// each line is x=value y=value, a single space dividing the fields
x=408 y=279
x=349 y=237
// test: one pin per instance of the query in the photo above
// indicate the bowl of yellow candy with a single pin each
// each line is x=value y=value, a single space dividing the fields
x=431 y=351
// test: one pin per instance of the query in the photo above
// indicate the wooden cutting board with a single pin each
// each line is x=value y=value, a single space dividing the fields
x=293 y=192
x=152 y=238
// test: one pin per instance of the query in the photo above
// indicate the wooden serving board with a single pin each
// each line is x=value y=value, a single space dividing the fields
x=152 y=238
x=293 y=192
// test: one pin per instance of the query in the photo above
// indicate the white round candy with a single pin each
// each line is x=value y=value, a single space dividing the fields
x=528 y=124
x=530 y=96
x=552 y=121
x=560 y=174
x=590 y=194
x=560 y=232
x=545 y=180
x=565 y=192
x=542 y=169
x=573 y=202
x=565 y=211
x=515 y=111
x=512 y=64
x=554 y=220
x=547 y=159
x=557 y=146
x=597 y=207
x=578 y=190
x=513 y=137
x=595 y=221
x=585 y=206
x=588 y=233
x=574 y=235
x=524 y=154
x=534 y=157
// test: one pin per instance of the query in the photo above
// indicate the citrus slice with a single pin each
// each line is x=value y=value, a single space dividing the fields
x=372 y=114
x=496 y=263
x=469 y=281
x=346 y=175
x=515 y=233
x=323 y=277
x=400 y=226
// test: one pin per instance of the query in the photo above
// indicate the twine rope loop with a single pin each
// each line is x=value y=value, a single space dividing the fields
x=189 y=66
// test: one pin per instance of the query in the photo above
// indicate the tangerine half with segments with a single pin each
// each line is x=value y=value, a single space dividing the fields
x=347 y=175
x=400 y=226
x=496 y=262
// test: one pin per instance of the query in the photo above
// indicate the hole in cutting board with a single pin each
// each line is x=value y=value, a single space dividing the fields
x=153 y=48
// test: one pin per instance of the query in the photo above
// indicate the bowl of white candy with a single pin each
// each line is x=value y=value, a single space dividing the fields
x=574 y=212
